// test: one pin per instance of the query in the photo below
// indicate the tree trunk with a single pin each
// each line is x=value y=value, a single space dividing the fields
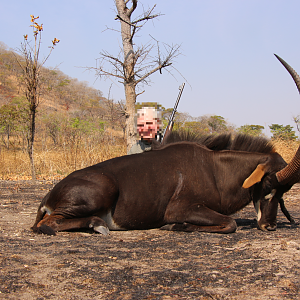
x=130 y=112
x=8 y=135
x=129 y=82
x=134 y=68
x=30 y=153
x=30 y=139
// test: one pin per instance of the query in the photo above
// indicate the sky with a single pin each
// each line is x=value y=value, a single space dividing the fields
x=226 y=48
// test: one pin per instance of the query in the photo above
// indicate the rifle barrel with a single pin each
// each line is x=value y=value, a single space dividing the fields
x=177 y=102
x=169 y=126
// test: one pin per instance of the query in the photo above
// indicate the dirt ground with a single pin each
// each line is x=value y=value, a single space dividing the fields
x=151 y=264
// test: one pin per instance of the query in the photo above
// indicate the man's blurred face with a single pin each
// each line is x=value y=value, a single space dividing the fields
x=147 y=126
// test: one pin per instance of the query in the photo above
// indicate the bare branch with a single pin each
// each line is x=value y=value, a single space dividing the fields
x=118 y=66
x=130 y=24
x=112 y=29
x=110 y=57
x=143 y=68
x=140 y=93
x=121 y=19
x=297 y=122
x=151 y=72
x=147 y=16
x=132 y=9
x=162 y=63
x=101 y=72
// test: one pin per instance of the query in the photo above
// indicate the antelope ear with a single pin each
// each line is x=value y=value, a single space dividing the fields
x=255 y=177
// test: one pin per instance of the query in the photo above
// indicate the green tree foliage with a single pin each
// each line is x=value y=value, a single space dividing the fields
x=282 y=132
x=53 y=123
x=8 y=114
x=254 y=130
x=217 y=124
x=83 y=126
x=196 y=127
x=14 y=118
x=149 y=104
x=180 y=118
x=206 y=125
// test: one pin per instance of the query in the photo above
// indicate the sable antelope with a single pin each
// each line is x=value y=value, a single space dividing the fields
x=185 y=186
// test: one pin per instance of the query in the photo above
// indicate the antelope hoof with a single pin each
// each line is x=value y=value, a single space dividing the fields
x=101 y=229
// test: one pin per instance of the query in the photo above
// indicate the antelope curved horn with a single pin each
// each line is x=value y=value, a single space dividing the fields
x=290 y=174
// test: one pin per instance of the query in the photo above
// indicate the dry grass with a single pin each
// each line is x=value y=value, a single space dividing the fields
x=286 y=149
x=57 y=162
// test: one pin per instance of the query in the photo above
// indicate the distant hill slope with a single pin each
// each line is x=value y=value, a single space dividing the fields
x=60 y=92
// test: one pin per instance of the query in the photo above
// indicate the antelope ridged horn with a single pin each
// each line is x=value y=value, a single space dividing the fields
x=290 y=174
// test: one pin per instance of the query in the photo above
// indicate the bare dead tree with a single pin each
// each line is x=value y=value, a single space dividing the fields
x=134 y=64
x=31 y=81
x=297 y=122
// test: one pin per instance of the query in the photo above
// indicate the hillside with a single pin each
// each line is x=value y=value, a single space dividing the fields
x=59 y=91
x=75 y=125
x=67 y=107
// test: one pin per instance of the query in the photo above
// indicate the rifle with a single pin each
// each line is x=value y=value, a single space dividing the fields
x=171 y=119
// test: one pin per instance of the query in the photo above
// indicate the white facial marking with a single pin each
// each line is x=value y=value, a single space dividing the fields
x=258 y=211
x=46 y=209
x=271 y=195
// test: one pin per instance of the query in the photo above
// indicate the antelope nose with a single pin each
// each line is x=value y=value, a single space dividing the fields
x=271 y=227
